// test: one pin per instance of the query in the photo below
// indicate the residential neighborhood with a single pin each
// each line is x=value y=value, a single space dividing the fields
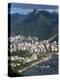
x=32 y=45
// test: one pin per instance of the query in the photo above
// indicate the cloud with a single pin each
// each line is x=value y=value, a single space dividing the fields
x=27 y=8
x=21 y=11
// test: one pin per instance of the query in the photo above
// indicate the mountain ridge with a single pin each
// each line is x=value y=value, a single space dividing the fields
x=37 y=23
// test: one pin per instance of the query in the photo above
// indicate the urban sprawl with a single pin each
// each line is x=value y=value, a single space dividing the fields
x=31 y=44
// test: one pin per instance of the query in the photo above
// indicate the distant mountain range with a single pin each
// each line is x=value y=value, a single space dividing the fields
x=41 y=24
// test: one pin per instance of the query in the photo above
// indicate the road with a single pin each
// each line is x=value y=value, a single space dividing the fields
x=35 y=63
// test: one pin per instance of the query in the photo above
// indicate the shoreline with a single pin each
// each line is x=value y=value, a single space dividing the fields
x=35 y=63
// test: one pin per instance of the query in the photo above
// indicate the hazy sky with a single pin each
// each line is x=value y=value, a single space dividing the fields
x=26 y=8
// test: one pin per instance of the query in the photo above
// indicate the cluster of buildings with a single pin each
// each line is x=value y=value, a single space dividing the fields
x=22 y=60
x=32 y=44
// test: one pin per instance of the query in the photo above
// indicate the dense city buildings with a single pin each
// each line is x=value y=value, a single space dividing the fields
x=32 y=46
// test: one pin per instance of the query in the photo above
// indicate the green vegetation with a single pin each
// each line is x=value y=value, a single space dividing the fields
x=42 y=24
x=43 y=55
x=21 y=53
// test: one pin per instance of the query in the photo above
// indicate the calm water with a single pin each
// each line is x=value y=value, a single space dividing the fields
x=44 y=68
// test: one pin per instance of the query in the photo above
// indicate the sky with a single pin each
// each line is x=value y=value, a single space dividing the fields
x=27 y=8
